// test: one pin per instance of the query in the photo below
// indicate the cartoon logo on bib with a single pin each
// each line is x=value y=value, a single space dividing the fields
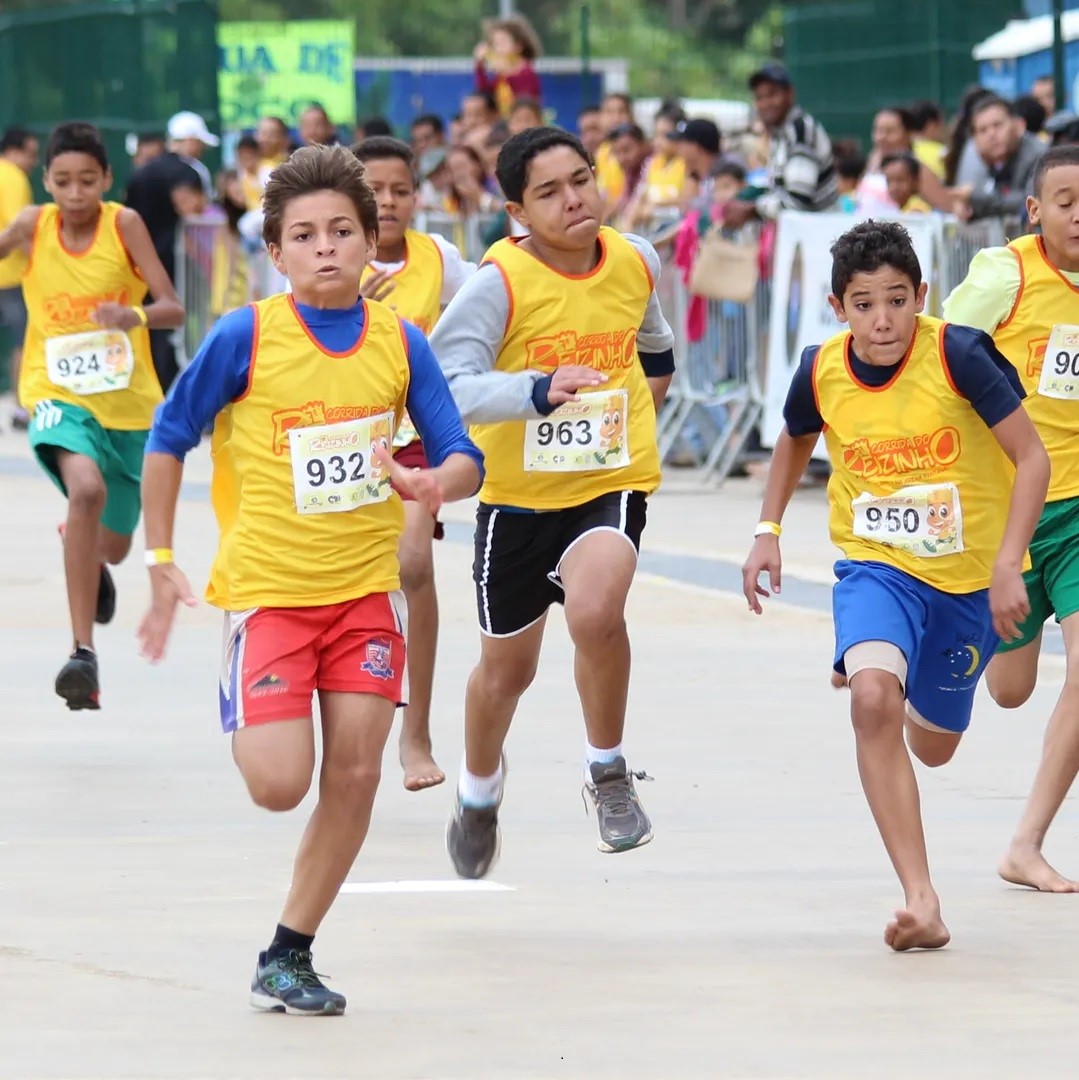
x=378 y=477
x=612 y=430
x=941 y=521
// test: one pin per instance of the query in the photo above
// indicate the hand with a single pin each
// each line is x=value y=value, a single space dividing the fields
x=480 y=51
x=961 y=203
x=737 y=213
x=1008 y=602
x=571 y=378
x=763 y=556
x=421 y=485
x=378 y=285
x=116 y=317
x=168 y=587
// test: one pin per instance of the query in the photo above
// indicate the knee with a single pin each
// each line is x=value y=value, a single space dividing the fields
x=505 y=680
x=353 y=781
x=876 y=703
x=276 y=791
x=932 y=752
x=116 y=548
x=86 y=496
x=1010 y=693
x=417 y=568
x=593 y=624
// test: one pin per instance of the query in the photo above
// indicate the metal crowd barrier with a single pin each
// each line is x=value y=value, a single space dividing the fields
x=717 y=395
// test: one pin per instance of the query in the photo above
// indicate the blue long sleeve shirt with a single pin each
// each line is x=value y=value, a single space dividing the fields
x=218 y=375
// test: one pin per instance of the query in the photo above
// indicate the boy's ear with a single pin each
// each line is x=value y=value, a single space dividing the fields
x=275 y=258
x=517 y=212
x=108 y=180
x=1034 y=210
x=919 y=297
x=837 y=307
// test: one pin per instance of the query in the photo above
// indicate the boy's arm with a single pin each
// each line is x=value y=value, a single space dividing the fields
x=655 y=338
x=986 y=296
x=20 y=232
x=166 y=311
x=456 y=269
x=794 y=447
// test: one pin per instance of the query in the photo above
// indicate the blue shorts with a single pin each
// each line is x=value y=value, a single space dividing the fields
x=947 y=639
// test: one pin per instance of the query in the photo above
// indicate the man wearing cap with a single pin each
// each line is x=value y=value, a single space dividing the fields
x=800 y=165
x=697 y=143
x=149 y=193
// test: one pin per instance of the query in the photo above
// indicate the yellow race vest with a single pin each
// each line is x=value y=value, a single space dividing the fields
x=67 y=357
x=607 y=441
x=1047 y=308
x=918 y=481
x=664 y=179
x=306 y=515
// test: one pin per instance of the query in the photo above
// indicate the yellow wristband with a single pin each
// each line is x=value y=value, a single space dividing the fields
x=772 y=528
x=140 y=314
x=159 y=556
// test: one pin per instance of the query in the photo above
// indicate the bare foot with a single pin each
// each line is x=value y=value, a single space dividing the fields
x=1027 y=866
x=421 y=770
x=839 y=681
x=921 y=928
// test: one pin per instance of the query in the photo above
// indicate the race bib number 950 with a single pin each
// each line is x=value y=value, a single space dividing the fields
x=1060 y=368
x=925 y=520
x=96 y=362
x=334 y=467
x=581 y=435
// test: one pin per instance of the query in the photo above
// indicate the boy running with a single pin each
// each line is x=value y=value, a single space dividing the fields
x=305 y=390
x=424 y=274
x=920 y=419
x=87 y=374
x=1027 y=296
x=540 y=349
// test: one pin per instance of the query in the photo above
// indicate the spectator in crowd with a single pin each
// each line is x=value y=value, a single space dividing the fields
x=590 y=129
x=962 y=165
x=188 y=197
x=1062 y=128
x=435 y=179
x=149 y=193
x=456 y=129
x=902 y=173
x=1031 y=115
x=891 y=137
x=468 y=192
x=664 y=172
x=231 y=277
x=849 y=170
x=698 y=144
x=478 y=113
x=18 y=159
x=491 y=148
x=929 y=131
x=1044 y=91
x=630 y=148
x=1010 y=157
x=148 y=145
x=800 y=165
x=504 y=63
x=616 y=110
x=247 y=165
x=427 y=132
x=275 y=144
x=526 y=113
x=374 y=125
x=316 y=127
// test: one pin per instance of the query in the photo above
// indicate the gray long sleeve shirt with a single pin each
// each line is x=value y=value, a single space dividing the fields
x=468 y=339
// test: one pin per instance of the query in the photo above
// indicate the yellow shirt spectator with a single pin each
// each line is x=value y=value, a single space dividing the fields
x=609 y=175
x=15 y=194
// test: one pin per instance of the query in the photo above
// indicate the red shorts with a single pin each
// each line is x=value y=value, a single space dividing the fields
x=414 y=456
x=276 y=658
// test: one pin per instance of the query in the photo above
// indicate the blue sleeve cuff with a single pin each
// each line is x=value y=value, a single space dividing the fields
x=539 y=396
x=657 y=365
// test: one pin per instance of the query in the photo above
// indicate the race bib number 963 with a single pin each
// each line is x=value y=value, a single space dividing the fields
x=925 y=520
x=96 y=362
x=334 y=467
x=580 y=436
x=1060 y=368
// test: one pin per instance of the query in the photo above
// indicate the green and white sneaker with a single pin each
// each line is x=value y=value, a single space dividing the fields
x=288 y=984
x=623 y=824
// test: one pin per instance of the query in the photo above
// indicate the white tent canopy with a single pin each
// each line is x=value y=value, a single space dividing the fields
x=1021 y=37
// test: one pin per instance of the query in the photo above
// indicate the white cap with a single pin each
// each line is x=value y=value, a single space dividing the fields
x=189 y=125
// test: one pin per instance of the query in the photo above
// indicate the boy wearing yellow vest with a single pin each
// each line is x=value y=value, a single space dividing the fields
x=558 y=354
x=1027 y=296
x=937 y=483
x=87 y=374
x=305 y=391
x=424 y=274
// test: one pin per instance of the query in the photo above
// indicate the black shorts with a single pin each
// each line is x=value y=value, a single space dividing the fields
x=518 y=555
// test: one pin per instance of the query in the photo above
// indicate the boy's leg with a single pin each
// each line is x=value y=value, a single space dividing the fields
x=418 y=583
x=86 y=494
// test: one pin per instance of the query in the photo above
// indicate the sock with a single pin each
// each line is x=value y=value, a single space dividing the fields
x=479 y=791
x=285 y=939
x=594 y=755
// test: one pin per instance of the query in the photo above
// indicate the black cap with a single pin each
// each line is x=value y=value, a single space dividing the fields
x=770 y=73
x=703 y=133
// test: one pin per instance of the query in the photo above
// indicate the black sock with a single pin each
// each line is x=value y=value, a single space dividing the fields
x=285 y=939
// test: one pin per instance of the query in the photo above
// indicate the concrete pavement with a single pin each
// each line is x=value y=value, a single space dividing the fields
x=137 y=883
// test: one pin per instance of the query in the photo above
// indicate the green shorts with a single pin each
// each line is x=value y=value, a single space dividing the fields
x=56 y=425
x=1053 y=579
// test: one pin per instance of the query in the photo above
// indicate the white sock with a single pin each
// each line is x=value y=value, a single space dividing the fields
x=600 y=757
x=479 y=791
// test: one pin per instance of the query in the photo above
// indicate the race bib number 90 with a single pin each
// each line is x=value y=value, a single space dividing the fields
x=925 y=520
x=1060 y=369
x=96 y=362
x=334 y=467
x=580 y=436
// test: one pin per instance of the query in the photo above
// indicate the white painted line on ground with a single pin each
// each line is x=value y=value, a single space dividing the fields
x=455 y=886
x=724 y=594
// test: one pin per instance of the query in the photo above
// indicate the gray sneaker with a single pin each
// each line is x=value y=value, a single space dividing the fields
x=623 y=824
x=472 y=837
